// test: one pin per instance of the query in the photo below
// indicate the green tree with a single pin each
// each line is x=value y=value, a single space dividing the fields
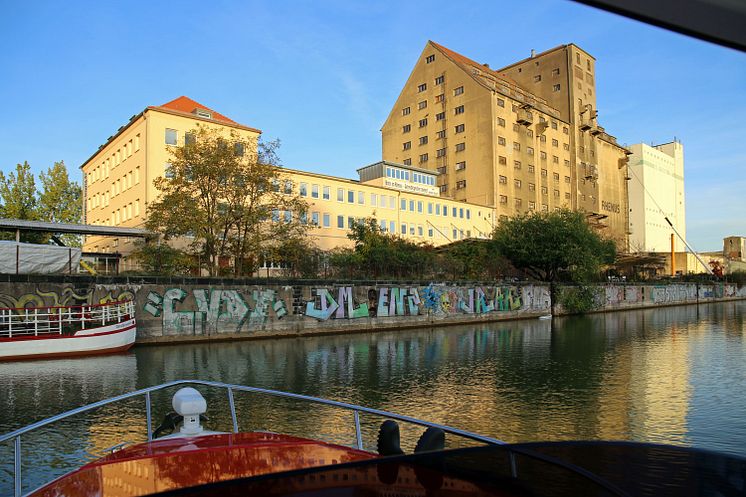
x=18 y=200
x=60 y=200
x=160 y=258
x=549 y=246
x=229 y=196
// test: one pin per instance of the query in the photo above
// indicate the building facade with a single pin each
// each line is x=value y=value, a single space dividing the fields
x=403 y=199
x=518 y=139
x=656 y=192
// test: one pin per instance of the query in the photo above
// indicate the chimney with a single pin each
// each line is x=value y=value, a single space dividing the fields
x=486 y=65
x=533 y=53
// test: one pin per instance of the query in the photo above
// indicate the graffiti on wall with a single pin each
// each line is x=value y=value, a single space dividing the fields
x=440 y=300
x=59 y=298
x=214 y=310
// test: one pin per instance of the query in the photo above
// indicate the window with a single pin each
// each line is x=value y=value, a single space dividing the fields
x=566 y=146
x=459 y=128
x=405 y=111
x=288 y=187
x=556 y=176
x=423 y=158
x=555 y=71
x=303 y=190
x=350 y=221
x=530 y=150
x=423 y=140
x=556 y=193
x=430 y=58
x=419 y=205
x=532 y=187
x=407 y=128
x=419 y=230
x=543 y=173
x=315 y=218
x=168 y=172
x=437 y=209
x=531 y=205
x=453 y=210
x=440 y=80
x=502 y=160
x=567 y=162
x=501 y=122
x=411 y=206
x=288 y=216
x=460 y=147
x=441 y=152
x=459 y=110
x=459 y=90
x=460 y=185
x=501 y=140
x=440 y=134
x=443 y=189
x=555 y=87
x=326 y=193
x=518 y=202
x=429 y=207
x=555 y=142
x=565 y=130
x=460 y=166
x=440 y=116
x=403 y=204
x=392 y=202
x=314 y=191
x=340 y=222
x=407 y=145
x=423 y=123
x=327 y=220
x=340 y=195
x=516 y=146
x=500 y=102
x=503 y=180
x=555 y=159
x=567 y=179
x=543 y=138
x=503 y=199
x=373 y=199
x=238 y=149
x=517 y=183
x=439 y=98
x=403 y=228
x=422 y=87
x=407 y=162
x=189 y=139
x=361 y=198
x=537 y=78
x=170 y=136
x=517 y=164
x=350 y=197
x=422 y=105
x=543 y=155
x=392 y=226
x=567 y=195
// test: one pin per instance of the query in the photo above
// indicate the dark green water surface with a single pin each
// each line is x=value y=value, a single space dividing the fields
x=674 y=375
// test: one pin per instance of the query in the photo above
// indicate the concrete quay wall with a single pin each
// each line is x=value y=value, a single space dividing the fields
x=191 y=309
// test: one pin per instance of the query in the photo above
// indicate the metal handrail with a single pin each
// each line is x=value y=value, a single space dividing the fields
x=36 y=321
x=356 y=410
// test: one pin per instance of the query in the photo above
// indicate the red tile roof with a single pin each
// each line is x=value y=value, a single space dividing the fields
x=465 y=61
x=187 y=105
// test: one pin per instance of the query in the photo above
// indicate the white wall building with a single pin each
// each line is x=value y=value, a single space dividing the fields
x=656 y=191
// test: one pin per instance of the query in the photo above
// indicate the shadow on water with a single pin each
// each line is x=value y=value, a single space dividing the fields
x=671 y=375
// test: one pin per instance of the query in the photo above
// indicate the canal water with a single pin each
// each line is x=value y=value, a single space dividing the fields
x=673 y=375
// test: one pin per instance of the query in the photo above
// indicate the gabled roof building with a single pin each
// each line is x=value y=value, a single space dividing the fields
x=521 y=138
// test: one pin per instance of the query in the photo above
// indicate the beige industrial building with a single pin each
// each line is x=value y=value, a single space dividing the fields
x=521 y=138
x=118 y=186
x=656 y=192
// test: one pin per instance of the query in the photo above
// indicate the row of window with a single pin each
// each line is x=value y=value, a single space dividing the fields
x=101 y=171
x=438 y=99
x=172 y=138
x=125 y=213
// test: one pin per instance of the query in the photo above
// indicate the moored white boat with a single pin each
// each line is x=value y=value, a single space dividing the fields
x=32 y=333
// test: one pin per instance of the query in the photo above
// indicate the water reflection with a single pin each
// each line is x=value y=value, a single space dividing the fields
x=672 y=375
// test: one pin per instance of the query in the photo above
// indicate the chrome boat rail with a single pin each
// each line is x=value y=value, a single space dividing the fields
x=15 y=436
x=59 y=320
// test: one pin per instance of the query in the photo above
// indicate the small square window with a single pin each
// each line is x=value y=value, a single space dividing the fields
x=441 y=134
x=423 y=158
x=422 y=87
x=171 y=136
x=440 y=80
x=501 y=140
x=407 y=128
x=407 y=145
x=537 y=78
x=500 y=102
x=429 y=59
x=501 y=122
x=439 y=98
x=556 y=87
x=423 y=140
x=441 y=152
x=502 y=160
x=459 y=128
x=422 y=105
x=423 y=123
x=459 y=110
x=459 y=90
x=440 y=116
x=460 y=147
x=460 y=166
x=405 y=111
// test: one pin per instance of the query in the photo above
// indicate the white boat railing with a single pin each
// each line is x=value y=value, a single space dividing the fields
x=60 y=320
x=15 y=436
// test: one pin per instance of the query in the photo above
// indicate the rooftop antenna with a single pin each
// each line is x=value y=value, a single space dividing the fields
x=533 y=53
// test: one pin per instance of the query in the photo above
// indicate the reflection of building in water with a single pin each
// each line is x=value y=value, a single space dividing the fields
x=660 y=389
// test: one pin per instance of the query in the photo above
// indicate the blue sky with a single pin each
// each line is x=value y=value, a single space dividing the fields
x=322 y=75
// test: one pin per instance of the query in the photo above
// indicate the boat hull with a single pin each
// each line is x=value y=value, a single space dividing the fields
x=116 y=337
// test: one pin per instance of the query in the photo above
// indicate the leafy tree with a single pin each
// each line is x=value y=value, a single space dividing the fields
x=472 y=259
x=160 y=258
x=228 y=194
x=18 y=200
x=552 y=245
x=60 y=200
